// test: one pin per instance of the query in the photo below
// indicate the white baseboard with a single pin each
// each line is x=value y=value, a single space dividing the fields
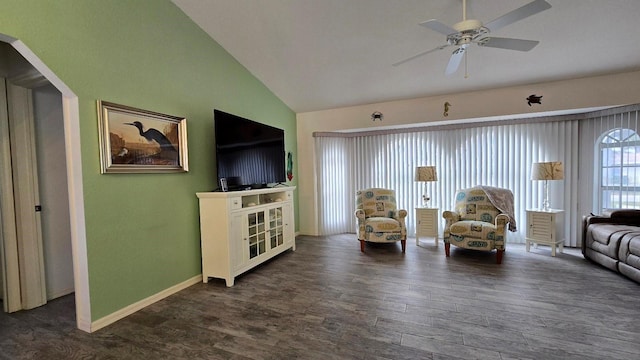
x=122 y=313
x=60 y=293
x=83 y=324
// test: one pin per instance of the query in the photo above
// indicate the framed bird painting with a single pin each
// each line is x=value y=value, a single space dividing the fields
x=140 y=141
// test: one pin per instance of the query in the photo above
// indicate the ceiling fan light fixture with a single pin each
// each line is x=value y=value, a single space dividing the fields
x=468 y=25
x=469 y=31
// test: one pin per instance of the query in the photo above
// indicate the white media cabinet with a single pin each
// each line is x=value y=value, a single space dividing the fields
x=242 y=229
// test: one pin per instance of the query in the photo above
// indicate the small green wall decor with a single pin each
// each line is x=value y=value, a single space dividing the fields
x=289 y=166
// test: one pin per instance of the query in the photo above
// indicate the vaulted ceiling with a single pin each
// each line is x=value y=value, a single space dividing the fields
x=322 y=54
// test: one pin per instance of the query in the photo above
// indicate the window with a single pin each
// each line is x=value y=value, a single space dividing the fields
x=619 y=175
x=495 y=155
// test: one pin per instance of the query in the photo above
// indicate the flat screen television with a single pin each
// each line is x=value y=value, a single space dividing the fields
x=249 y=154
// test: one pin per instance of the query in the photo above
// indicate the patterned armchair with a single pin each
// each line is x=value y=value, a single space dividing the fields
x=479 y=220
x=378 y=218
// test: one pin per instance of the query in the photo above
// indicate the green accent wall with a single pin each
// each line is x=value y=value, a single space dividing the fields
x=143 y=232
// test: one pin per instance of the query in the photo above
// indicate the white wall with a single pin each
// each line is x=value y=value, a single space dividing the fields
x=54 y=196
x=561 y=96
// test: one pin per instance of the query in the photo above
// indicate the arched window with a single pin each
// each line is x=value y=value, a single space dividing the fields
x=619 y=180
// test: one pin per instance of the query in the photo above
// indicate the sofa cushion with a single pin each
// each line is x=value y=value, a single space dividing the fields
x=473 y=229
x=601 y=259
x=377 y=202
x=614 y=242
x=474 y=204
x=605 y=238
x=629 y=252
x=384 y=237
x=382 y=225
x=472 y=242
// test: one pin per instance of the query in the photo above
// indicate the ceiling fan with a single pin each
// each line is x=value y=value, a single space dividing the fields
x=470 y=31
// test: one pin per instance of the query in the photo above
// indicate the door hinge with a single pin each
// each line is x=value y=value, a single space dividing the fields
x=38 y=208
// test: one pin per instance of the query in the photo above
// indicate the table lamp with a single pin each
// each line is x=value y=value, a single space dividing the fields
x=547 y=171
x=426 y=174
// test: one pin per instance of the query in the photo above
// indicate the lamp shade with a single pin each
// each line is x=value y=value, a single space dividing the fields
x=547 y=171
x=426 y=173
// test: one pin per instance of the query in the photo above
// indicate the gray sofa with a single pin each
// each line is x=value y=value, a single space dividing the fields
x=613 y=241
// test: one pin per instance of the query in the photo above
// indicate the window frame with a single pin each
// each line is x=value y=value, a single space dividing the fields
x=632 y=139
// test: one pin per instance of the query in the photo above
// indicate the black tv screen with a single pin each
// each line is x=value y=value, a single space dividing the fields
x=249 y=154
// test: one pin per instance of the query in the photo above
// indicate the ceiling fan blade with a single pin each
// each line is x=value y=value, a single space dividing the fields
x=420 y=54
x=518 y=14
x=508 y=43
x=437 y=26
x=455 y=60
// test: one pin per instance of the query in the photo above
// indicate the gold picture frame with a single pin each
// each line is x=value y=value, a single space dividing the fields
x=140 y=141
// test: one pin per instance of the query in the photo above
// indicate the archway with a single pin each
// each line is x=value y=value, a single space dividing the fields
x=71 y=122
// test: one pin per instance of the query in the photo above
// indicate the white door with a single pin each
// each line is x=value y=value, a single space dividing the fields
x=8 y=238
x=20 y=205
x=53 y=191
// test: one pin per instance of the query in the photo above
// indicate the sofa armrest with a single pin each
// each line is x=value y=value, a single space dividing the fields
x=588 y=220
x=596 y=219
x=402 y=216
x=620 y=217
x=501 y=223
x=360 y=225
x=399 y=215
x=450 y=217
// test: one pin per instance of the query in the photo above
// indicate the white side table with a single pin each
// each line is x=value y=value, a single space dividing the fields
x=426 y=224
x=545 y=228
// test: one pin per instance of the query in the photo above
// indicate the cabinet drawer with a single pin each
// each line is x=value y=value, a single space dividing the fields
x=236 y=203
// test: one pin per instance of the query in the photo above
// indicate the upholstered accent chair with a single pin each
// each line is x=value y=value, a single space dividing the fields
x=379 y=219
x=479 y=221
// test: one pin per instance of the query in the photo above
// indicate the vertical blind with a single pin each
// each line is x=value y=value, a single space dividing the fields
x=494 y=155
x=592 y=131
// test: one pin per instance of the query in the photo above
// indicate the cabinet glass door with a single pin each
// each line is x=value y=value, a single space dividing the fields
x=257 y=234
x=276 y=233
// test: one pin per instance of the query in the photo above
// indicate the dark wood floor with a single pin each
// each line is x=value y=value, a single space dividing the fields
x=329 y=301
